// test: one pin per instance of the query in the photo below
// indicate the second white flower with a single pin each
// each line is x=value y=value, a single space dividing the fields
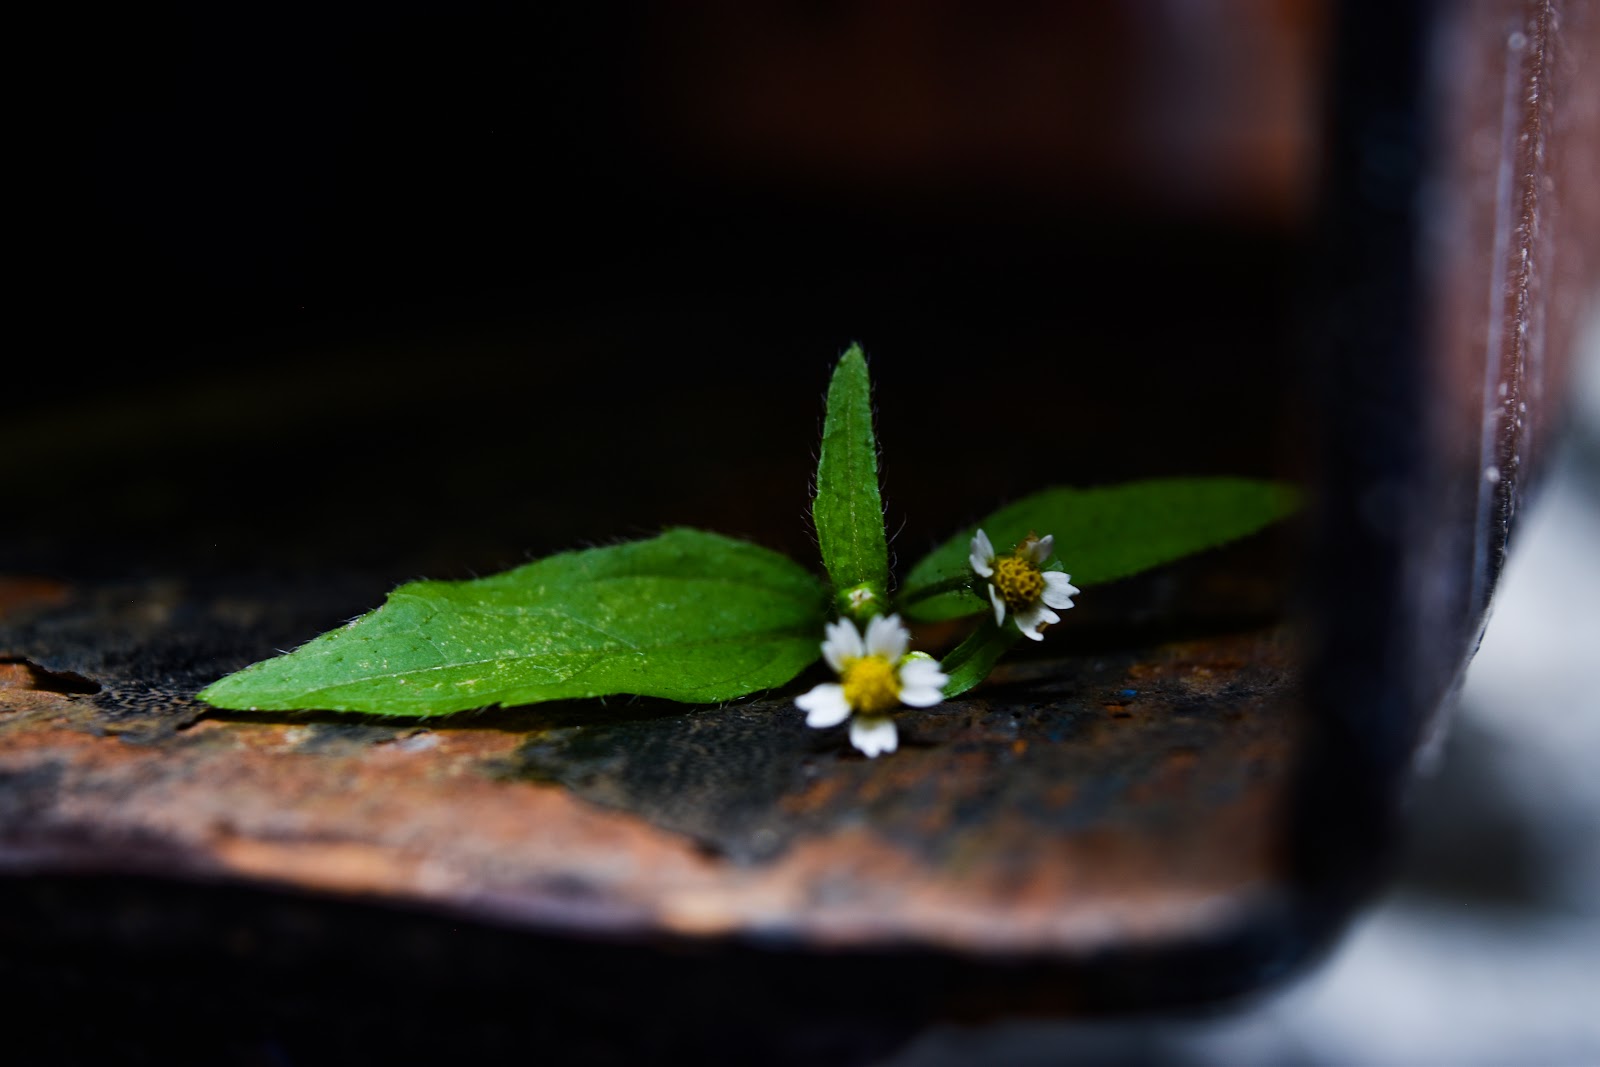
x=1018 y=585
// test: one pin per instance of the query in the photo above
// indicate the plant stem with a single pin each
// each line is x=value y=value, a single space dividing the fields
x=971 y=661
x=957 y=584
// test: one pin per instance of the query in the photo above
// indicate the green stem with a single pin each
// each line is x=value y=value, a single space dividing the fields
x=957 y=584
x=971 y=661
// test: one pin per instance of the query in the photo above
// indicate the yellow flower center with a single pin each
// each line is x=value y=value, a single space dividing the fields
x=1018 y=580
x=870 y=685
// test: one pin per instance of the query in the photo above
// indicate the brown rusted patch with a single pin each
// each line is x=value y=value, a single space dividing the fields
x=21 y=593
x=1024 y=819
x=20 y=674
x=1115 y=798
x=15 y=676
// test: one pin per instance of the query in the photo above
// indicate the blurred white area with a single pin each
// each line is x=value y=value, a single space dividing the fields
x=1487 y=951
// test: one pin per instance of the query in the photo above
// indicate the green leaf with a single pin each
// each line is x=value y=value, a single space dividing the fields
x=688 y=615
x=1102 y=534
x=848 y=510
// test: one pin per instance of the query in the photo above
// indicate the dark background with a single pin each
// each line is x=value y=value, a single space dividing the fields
x=426 y=288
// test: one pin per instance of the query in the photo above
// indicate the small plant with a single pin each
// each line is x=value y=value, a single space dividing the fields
x=694 y=616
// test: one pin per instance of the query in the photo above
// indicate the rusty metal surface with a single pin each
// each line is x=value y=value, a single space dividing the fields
x=1112 y=799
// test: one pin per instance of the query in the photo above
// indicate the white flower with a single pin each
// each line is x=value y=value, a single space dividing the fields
x=875 y=677
x=1017 y=583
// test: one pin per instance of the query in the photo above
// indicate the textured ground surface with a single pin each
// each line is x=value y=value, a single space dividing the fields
x=1108 y=799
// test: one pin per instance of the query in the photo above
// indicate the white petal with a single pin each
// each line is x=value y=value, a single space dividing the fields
x=1043 y=547
x=999 y=605
x=824 y=706
x=1032 y=617
x=886 y=637
x=873 y=736
x=1058 y=589
x=843 y=643
x=848 y=636
x=982 y=555
x=923 y=696
x=921 y=672
x=922 y=683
